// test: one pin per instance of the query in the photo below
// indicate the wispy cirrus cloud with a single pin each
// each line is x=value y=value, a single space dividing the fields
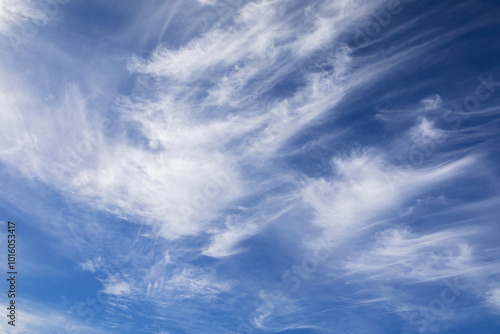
x=14 y=13
x=241 y=137
x=398 y=254
x=366 y=188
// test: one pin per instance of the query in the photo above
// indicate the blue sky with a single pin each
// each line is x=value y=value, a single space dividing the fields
x=270 y=166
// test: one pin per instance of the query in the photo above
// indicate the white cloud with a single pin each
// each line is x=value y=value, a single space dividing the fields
x=14 y=136
x=41 y=318
x=224 y=242
x=400 y=255
x=188 y=283
x=247 y=40
x=207 y=2
x=14 y=13
x=426 y=130
x=116 y=287
x=90 y=265
x=366 y=188
x=432 y=102
x=166 y=163
x=493 y=298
